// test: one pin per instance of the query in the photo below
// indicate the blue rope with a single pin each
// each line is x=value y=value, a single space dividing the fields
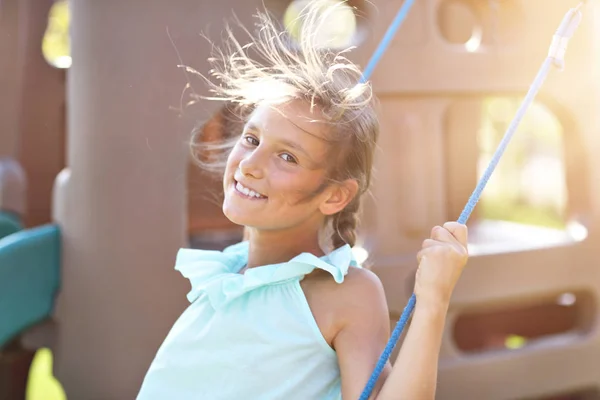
x=555 y=57
x=387 y=39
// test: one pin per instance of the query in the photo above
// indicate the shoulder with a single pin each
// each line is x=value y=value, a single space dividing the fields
x=359 y=298
x=362 y=293
x=359 y=285
x=358 y=303
x=363 y=281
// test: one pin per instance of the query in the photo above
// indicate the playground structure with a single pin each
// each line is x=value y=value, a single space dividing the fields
x=93 y=278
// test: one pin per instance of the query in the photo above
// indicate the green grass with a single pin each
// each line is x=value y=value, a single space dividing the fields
x=498 y=209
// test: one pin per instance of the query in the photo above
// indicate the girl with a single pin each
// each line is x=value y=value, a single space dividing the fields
x=288 y=313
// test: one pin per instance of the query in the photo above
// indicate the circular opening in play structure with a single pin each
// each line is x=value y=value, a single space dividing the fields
x=459 y=24
x=339 y=32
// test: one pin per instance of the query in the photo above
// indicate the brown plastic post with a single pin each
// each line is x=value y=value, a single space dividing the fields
x=121 y=200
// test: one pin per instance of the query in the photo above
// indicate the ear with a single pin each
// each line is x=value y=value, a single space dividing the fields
x=339 y=195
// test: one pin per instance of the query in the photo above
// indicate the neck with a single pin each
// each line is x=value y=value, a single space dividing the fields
x=275 y=246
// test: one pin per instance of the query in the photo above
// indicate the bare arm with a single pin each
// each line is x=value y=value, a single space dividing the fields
x=360 y=342
x=441 y=262
x=414 y=376
x=363 y=335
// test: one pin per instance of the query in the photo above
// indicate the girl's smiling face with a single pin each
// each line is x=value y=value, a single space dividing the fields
x=276 y=175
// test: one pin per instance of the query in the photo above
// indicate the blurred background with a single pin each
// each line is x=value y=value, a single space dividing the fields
x=98 y=189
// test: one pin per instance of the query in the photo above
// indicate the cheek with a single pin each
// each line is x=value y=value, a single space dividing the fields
x=285 y=185
x=234 y=158
x=294 y=188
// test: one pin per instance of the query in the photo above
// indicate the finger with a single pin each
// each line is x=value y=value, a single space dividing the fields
x=429 y=243
x=459 y=231
x=420 y=256
x=443 y=235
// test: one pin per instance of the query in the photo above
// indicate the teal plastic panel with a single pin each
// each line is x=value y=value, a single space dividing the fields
x=29 y=278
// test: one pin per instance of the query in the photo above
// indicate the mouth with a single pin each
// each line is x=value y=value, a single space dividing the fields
x=247 y=192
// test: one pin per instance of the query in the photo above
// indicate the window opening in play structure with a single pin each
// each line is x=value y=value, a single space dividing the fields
x=339 y=32
x=556 y=318
x=526 y=202
x=528 y=186
x=459 y=23
x=208 y=228
x=56 y=46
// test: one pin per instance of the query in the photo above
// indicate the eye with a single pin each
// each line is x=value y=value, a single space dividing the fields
x=251 y=140
x=288 y=158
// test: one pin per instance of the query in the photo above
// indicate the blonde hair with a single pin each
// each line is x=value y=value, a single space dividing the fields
x=273 y=68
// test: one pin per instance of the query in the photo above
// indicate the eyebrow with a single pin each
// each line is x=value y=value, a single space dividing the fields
x=253 y=127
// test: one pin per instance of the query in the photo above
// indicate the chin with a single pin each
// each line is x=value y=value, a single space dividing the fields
x=239 y=216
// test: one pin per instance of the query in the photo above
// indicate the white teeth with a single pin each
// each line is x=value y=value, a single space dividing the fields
x=246 y=191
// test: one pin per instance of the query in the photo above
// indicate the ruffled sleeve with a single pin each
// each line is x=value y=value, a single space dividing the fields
x=202 y=267
x=215 y=273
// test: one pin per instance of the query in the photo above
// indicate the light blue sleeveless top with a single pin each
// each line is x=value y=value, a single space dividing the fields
x=247 y=336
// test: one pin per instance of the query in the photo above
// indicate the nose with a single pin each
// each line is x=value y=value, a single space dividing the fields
x=252 y=165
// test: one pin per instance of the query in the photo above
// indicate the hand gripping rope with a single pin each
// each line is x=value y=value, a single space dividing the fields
x=555 y=57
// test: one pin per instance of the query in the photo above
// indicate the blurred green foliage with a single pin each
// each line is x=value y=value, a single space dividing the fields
x=56 y=45
x=540 y=198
